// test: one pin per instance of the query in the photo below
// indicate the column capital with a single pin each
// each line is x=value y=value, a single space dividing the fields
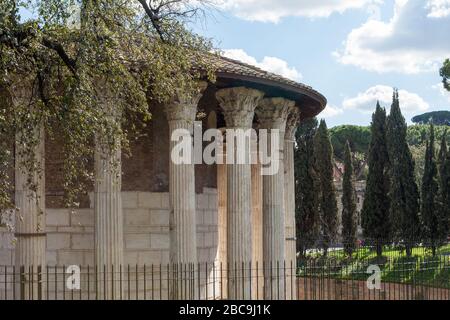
x=238 y=105
x=292 y=123
x=183 y=105
x=273 y=112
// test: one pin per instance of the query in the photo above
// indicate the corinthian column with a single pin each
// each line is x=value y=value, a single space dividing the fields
x=238 y=106
x=108 y=209
x=257 y=227
x=272 y=114
x=181 y=113
x=30 y=259
x=289 y=202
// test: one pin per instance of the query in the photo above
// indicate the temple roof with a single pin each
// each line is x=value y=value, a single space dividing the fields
x=232 y=72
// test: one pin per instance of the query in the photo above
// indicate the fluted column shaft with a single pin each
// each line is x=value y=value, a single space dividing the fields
x=238 y=106
x=257 y=228
x=272 y=114
x=289 y=199
x=108 y=211
x=30 y=247
x=181 y=113
x=222 y=220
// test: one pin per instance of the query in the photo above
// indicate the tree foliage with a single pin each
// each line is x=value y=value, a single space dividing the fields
x=444 y=183
x=128 y=53
x=306 y=214
x=433 y=217
x=348 y=204
x=445 y=74
x=403 y=191
x=375 y=212
x=357 y=136
x=327 y=203
x=439 y=118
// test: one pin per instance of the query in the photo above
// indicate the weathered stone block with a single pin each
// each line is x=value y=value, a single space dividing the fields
x=137 y=241
x=159 y=217
x=137 y=217
x=70 y=257
x=202 y=201
x=160 y=241
x=208 y=219
x=52 y=257
x=130 y=257
x=57 y=241
x=213 y=204
x=165 y=204
x=5 y=257
x=82 y=241
x=129 y=200
x=149 y=257
x=82 y=217
x=58 y=217
x=149 y=200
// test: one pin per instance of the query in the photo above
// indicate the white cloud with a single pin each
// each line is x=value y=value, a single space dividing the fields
x=415 y=39
x=365 y=102
x=331 y=111
x=444 y=92
x=271 y=64
x=274 y=10
x=438 y=8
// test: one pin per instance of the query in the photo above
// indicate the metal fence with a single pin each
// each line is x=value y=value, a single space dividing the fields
x=315 y=276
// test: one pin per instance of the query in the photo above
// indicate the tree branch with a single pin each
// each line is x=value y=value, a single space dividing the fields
x=50 y=44
x=153 y=18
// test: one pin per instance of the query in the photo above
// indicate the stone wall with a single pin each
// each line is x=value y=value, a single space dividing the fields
x=360 y=189
x=70 y=233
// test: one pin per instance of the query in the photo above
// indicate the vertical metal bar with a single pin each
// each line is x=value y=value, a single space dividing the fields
x=284 y=279
x=145 y=283
x=14 y=282
x=128 y=282
x=228 y=279
x=168 y=282
x=153 y=283
x=88 y=283
x=120 y=282
x=198 y=281
x=112 y=282
x=64 y=280
x=96 y=283
x=160 y=281
x=137 y=283
x=206 y=281
x=47 y=296
x=243 y=278
x=6 y=283
x=257 y=281
x=214 y=281
x=104 y=282
x=250 y=275
x=292 y=277
x=221 y=282
x=235 y=279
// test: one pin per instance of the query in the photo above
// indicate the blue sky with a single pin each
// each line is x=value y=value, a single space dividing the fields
x=353 y=51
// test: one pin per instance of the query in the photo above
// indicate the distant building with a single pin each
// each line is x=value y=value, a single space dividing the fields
x=360 y=188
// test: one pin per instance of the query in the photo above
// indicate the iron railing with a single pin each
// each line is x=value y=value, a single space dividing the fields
x=314 y=276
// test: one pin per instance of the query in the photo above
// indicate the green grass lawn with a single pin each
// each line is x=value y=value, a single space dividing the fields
x=420 y=269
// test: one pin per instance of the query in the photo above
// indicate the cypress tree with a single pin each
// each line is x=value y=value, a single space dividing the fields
x=403 y=191
x=444 y=182
x=431 y=209
x=327 y=203
x=375 y=211
x=348 y=203
x=306 y=215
